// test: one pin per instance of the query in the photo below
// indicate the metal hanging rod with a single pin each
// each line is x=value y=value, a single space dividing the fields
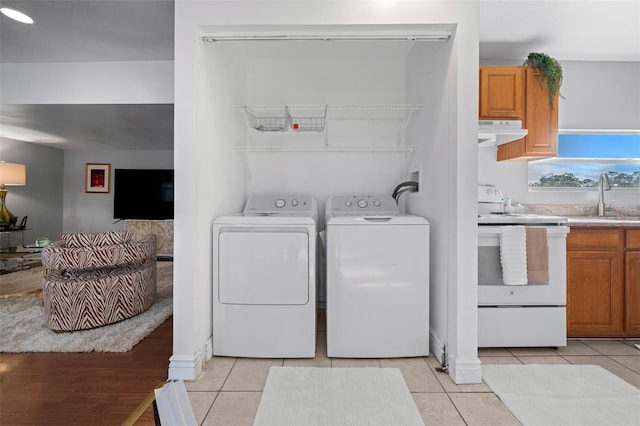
x=360 y=37
x=324 y=148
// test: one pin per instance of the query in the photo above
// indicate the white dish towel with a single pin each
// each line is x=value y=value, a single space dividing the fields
x=513 y=254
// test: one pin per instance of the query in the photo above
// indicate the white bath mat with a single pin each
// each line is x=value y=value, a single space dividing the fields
x=336 y=396
x=579 y=395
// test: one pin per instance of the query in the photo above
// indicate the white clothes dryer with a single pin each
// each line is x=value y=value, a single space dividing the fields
x=377 y=279
x=264 y=279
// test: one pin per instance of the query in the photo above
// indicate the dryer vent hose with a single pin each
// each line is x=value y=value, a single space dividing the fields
x=409 y=186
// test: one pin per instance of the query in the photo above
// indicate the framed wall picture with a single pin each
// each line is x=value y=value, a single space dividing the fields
x=97 y=178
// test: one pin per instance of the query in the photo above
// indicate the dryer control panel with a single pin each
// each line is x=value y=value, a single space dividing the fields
x=281 y=205
x=362 y=205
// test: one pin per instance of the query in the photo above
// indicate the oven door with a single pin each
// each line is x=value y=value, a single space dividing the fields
x=491 y=288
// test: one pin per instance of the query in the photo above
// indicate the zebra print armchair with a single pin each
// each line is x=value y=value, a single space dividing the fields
x=95 y=279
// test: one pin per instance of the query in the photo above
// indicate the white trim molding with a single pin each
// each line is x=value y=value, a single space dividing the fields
x=208 y=350
x=437 y=347
x=184 y=367
x=464 y=371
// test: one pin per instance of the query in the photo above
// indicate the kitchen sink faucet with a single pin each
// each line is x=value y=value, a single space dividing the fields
x=603 y=185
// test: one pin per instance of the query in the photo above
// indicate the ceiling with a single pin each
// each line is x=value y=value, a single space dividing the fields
x=95 y=126
x=568 y=30
x=140 y=30
x=88 y=31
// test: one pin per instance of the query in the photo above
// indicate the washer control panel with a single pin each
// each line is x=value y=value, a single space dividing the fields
x=362 y=205
x=280 y=205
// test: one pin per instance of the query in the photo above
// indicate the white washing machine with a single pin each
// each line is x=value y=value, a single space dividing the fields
x=377 y=279
x=264 y=279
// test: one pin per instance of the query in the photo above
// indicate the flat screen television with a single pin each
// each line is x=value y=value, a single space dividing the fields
x=143 y=194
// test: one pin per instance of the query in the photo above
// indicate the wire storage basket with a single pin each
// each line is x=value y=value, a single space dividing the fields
x=307 y=118
x=313 y=118
x=267 y=119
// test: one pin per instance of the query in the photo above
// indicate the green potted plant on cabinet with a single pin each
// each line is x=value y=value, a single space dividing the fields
x=550 y=69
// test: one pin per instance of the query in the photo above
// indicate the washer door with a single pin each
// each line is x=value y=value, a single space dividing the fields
x=258 y=267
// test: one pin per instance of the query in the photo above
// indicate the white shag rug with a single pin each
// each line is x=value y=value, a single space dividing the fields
x=22 y=327
x=580 y=395
x=336 y=396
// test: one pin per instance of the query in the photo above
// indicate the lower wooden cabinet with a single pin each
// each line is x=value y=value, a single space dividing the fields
x=603 y=283
x=595 y=293
x=632 y=294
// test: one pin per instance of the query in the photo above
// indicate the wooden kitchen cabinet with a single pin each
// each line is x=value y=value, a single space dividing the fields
x=501 y=94
x=603 y=282
x=595 y=286
x=518 y=93
x=632 y=282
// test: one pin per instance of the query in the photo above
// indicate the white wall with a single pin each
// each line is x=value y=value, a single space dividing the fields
x=197 y=204
x=41 y=197
x=597 y=95
x=448 y=163
x=327 y=73
x=600 y=95
x=428 y=84
x=93 y=212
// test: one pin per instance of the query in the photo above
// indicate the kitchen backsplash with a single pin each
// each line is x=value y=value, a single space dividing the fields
x=582 y=210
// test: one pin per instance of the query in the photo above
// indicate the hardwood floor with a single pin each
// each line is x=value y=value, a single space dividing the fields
x=83 y=388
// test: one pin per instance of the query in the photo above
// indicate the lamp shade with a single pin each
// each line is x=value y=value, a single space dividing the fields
x=13 y=174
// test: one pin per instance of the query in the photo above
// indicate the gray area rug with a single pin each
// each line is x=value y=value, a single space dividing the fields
x=567 y=395
x=296 y=396
x=22 y=327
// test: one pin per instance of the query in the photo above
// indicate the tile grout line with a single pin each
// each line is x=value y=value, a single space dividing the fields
x=456 y=408
x=622 y=365
x=219 y=391
x=433 y=373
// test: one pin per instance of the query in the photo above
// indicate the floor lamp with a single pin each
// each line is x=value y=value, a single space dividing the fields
x=11 y=174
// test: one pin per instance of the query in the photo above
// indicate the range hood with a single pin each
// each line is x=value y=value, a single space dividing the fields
x=497 y=132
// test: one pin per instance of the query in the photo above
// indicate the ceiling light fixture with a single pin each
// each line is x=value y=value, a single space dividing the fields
x=313 y=37
x=16 y=15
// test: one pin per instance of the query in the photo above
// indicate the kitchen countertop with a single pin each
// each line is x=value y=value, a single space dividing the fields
x=604 y=221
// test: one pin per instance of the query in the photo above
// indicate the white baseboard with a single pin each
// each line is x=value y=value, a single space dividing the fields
x=437 y=347
x=185 y=367
x=208 y=349
x=461 y=371
x=465 y=371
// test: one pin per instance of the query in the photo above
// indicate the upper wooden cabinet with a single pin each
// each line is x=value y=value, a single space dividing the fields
x=501 y=95
x=518 y=93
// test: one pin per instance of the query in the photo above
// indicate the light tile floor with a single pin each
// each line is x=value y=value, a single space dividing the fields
x=229 y=390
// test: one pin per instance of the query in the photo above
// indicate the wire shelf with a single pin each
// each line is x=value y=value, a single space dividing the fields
x=371 y=111
x=337 y=148
x=300 y=118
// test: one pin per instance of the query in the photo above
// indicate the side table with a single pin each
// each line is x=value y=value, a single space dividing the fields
x=14 y=254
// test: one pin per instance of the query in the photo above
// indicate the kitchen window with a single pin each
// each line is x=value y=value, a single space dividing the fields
x=583 y=155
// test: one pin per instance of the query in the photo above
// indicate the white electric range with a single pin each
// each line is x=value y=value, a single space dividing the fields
x=528 y=315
